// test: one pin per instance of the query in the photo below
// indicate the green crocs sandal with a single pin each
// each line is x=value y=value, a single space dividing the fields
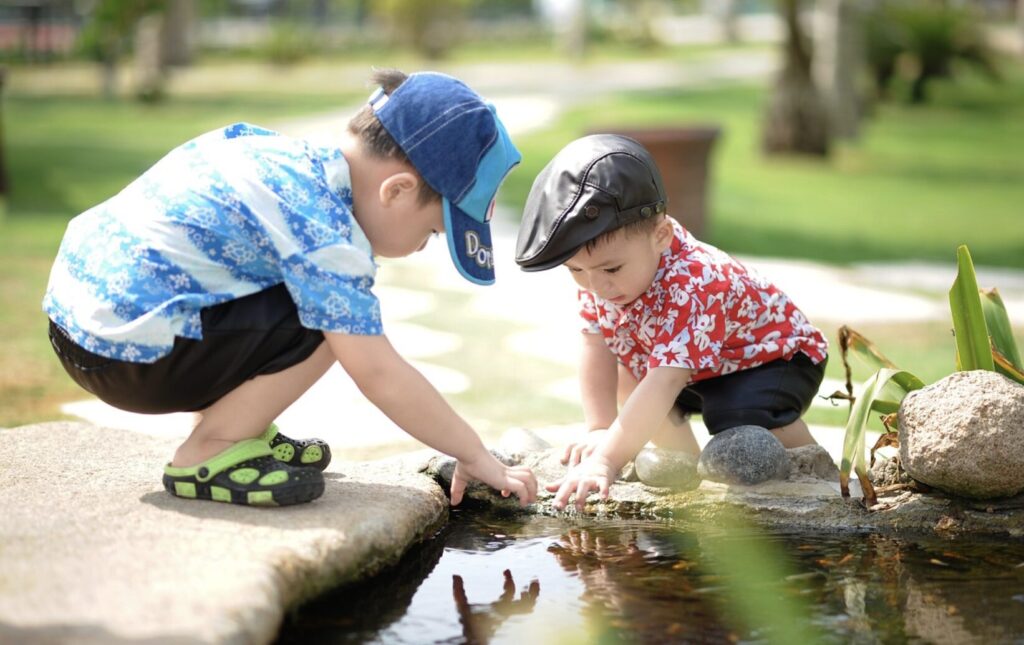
x=297 y=452
x=246 y=473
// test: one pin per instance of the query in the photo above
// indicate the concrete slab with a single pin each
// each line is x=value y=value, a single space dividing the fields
x=94 y=551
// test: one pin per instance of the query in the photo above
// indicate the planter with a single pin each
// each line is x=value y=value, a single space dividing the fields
x=683 y=156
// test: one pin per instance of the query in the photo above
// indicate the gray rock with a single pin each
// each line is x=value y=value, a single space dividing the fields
x=441 y=468
x=965 y=435
x=812 y=461
x=745 y=455
x=888 y=472
x=520 y=441
x=667 y=469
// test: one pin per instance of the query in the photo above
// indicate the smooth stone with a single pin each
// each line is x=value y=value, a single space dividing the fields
x=745 y=455
x=520 y=441
x=812 y=461
x=667 y=469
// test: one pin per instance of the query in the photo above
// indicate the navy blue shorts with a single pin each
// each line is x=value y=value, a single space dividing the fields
x=771 y=395
x=242 y=339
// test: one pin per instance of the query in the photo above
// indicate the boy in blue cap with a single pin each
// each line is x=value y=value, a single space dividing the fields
x=231 y=275
x=672 y=325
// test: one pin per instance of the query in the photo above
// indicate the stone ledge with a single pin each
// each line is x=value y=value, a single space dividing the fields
x=803 y=502
x=94 y=550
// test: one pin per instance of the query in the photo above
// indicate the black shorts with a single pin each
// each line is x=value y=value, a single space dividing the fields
x=770 y=395
x=242 y=339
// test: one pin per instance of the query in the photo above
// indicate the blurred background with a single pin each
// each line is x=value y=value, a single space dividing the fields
x=863 y=138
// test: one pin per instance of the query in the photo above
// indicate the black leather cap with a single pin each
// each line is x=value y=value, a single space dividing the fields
x=593 y=185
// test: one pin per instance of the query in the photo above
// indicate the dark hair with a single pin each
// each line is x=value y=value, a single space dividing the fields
x=643 y=225
x=376 y=140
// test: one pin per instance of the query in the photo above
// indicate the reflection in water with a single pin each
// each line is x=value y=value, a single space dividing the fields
x=648 y=581
x=480 y=620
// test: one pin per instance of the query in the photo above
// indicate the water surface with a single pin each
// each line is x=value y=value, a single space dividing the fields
x=556 y=580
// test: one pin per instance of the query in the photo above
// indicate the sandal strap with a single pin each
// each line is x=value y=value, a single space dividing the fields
x=233 y=456
x=269 y=434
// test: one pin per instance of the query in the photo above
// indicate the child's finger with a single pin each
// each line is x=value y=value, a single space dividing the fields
x=531 y=485
x=517 y=487
x=554 y=486
x=576 y=455
x=458 y=488
x=562 y=498
x=581 y=494
x=603 y=487
x=566 y=453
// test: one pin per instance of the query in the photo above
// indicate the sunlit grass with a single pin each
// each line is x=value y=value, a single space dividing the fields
x=920 y=182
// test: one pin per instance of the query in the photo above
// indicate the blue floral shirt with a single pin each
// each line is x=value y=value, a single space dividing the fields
x=230 y=213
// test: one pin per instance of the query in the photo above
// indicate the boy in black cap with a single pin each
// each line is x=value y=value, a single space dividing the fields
x=673 y=325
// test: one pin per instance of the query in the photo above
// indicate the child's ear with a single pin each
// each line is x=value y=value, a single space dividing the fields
x=397 y=187
x=663 y=234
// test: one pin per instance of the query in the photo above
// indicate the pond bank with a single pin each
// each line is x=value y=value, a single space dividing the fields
x=94 y=551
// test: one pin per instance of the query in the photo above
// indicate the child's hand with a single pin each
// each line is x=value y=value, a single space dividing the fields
x=507 y=479
x=593 y=473
x=579 y=450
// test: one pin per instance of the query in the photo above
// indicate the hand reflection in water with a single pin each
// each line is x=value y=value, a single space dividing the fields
x=596 y=561
x=480 y=621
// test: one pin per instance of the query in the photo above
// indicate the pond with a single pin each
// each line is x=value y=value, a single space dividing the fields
x=541 y=579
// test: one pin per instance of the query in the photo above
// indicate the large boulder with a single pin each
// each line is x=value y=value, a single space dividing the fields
x=965 y=435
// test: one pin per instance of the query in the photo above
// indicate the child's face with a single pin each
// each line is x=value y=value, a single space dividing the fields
x=413 y=230
x=398 y=224
x=622 y=268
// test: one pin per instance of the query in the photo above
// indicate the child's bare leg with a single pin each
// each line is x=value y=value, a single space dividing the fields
x=674 y=433
x=794 y=435
x=246 y=411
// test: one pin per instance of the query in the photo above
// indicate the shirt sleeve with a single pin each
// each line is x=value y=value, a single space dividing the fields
x=588 y=312
x=330 y=297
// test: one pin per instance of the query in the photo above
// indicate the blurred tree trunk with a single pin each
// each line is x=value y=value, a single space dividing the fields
x=574 y=41
x=178 y=36
x=726 y=13
x=796 y=120
x=149 y=74
x=5 y=187
x=838 y=62
x=1020 y=24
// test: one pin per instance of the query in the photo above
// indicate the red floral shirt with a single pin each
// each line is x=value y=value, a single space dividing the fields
x=704 y=311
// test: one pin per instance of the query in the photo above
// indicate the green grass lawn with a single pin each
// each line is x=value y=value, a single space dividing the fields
x=920 y=181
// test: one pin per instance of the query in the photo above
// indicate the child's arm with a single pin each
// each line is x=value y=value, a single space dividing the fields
x=598 y=383
x=643 y=412
x=408 y=399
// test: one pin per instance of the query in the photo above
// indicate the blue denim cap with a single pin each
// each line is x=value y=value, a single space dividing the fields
x=458 y=145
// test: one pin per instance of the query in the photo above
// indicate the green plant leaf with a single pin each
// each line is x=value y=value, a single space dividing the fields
x=853 y=443
x=972 y=344
x=850 y=339
x=1006 y=368
x=999 y=327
